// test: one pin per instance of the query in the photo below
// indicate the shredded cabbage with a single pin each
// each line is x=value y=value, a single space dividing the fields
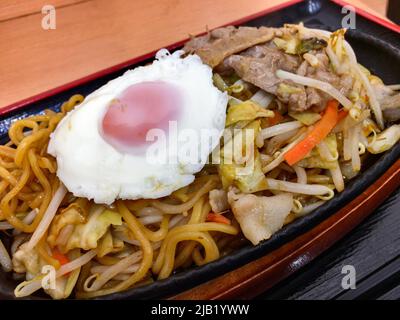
x=385 y=140
x=26 y=260
x=247 y=110
x=328 y=148
x=288 y=45
x=246 y=175
x=255 y=181
x=87 y=235
x=316 y=162
x=307 y=118
x=74 y=214
x=294 y=45
x=109 y=244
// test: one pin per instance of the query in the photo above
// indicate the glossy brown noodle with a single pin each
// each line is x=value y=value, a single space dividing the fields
x=29 y=181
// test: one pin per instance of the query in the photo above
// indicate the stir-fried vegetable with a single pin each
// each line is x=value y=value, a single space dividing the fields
x=277 y=118
x=248 y=177
x=342 y=114
x=5 y=260
x=87 y=235
x=307 y=45
x=316 y=135
x=385 y=140
x=218 y=218
x=295 y=45
x=62 y=258
x=241 y=162
x=262 y=98
x=76 y=213
x=306 y=118
x=108 y=244
x=316 y=162
x=247 y=110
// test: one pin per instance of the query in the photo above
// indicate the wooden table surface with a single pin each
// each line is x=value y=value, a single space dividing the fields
x=92 y=35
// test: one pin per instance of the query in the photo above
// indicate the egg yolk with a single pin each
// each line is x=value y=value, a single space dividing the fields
x=138 y=109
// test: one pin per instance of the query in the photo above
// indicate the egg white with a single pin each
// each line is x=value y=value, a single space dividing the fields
x=90 y=167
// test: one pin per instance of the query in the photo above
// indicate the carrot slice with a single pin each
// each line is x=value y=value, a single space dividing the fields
x=62 y=258
x=321 y=129
x=342 y=114
x=218 y=218
x=275 y=119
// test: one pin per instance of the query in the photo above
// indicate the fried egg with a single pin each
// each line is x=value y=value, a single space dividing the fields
x=124 y=141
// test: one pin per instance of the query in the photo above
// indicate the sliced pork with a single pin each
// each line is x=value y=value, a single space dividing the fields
x=260 y=217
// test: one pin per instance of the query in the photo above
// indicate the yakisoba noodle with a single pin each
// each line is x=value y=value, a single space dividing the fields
x=297 y=163
x=29 y=182
x=29 y=172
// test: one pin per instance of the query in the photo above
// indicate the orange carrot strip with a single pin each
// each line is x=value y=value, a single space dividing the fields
x=218 y=218
x=321 y=129
x=275 y=119
x=342 y=114
x=62 y=258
